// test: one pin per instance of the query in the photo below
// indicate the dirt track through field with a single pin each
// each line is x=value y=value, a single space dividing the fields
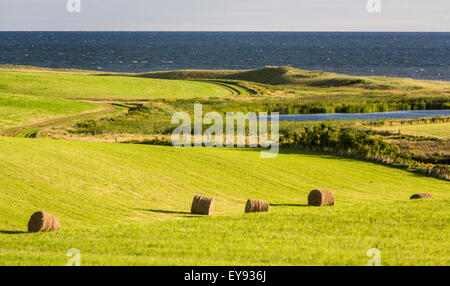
x=14 y=131
x=105 y=109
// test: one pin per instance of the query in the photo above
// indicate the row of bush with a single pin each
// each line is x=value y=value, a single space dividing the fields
x=361 y=107
x=309 y=106
x=411 y=121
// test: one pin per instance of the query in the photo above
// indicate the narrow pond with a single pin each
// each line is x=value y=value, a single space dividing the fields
x=365 y=116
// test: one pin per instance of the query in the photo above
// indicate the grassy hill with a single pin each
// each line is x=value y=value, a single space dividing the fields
x=293 y=76
x=87 y=86
x=129 y=204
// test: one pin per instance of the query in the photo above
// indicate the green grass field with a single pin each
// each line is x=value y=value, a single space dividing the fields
x=128 y=204
x=19 y=109
x=88 y=86
x=440 y=130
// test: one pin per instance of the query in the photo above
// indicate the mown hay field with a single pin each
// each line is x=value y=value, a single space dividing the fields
x=123 y=204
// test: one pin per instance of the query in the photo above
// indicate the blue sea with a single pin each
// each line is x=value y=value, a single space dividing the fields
x=415 y=55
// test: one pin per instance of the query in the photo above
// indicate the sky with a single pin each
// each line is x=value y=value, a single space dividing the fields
x=225 y=15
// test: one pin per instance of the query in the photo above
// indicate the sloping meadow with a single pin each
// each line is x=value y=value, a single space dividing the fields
x=129 y=204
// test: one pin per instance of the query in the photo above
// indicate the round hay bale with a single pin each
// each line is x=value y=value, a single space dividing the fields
x=254 y=206
x=421 y=196
x=43 y=222
x=202 y=205
x=320 y=198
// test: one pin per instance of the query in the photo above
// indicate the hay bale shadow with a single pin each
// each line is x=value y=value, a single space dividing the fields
x=289 y=205
x=163 y=211
x=192 y=216
x=12 y=232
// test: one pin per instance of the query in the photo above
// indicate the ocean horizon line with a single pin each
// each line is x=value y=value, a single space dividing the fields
x=220 y=31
